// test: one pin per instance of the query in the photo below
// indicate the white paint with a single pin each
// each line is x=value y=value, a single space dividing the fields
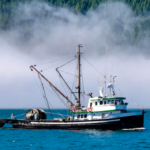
x=93 y=122
x=107 y=115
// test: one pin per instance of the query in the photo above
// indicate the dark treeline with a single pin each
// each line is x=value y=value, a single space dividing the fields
x=139 y=7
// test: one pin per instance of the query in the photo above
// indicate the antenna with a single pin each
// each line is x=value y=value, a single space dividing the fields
x=105 y=83
x=105 y=77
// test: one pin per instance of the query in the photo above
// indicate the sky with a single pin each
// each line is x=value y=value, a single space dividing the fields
x=108 y=41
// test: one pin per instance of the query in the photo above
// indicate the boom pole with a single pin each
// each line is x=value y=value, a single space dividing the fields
x=39 y=73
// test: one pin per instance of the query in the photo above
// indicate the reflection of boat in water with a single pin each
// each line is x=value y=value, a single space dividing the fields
x=102 y=112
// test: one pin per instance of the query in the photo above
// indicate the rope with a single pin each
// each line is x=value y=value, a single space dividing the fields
x=44 y=95
x=59 y=97
x=52 y=106
x=41 y=91
x=62 y=85
x=93 y=66
x=66 y=63
x=128 y=97
x=54 y=94
x=50 y=62
x=67 y=73
x=58 y=114
x=17 y=115
x=45 y=112
x=75 y=79
x=64 y=79
x=51 y=66
x=37 y=83
x=115 y=85
x=82 y=86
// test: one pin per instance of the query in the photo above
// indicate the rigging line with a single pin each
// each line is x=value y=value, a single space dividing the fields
x=53 y=94
x=36 y=81
x=45 y=98
x=72 y=88
x=106 y=74
x=93 y=66
x=108 y=80
x=54 y=91
x=67 y=63
x=49 y=90
x=63 y=86
x=59 y=97
x=75 y=78
x=32 y=67
x=52 y=66
x=66 y=83
x=40 y=88
x=18 y=115
x=49 y=102
x=83 y=85
x=58 y=114
x=67 y=73
x=50 y=62
x=57 y=69
x=129 y=97
x=114 y=85
x=67 y=87
x=44 y=95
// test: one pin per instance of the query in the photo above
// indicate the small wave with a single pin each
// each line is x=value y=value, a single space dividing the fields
x=133 y=129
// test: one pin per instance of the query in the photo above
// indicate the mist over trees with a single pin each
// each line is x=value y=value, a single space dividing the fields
x=8 y=9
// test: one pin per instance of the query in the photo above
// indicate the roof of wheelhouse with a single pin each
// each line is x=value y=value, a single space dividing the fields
x=107 y=98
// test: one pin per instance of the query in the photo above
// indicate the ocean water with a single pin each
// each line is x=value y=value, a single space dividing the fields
x=17 y=139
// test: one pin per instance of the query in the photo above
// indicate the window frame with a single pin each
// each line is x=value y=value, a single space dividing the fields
x=95 y=103
x=90 y=104
x=101 y=102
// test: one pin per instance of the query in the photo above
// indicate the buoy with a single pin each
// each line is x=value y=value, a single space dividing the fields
x=90 y=109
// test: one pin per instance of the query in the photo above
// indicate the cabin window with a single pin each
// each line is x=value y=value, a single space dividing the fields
x=101 y=102
x=78 y=116
x=104 y=102
x=81 y=116
x=85 y=116
x=90 y=104
x=95 y=103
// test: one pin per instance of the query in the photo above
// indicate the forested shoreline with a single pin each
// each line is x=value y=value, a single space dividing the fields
x=139 y=7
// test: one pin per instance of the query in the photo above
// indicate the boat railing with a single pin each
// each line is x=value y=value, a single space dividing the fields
x=118 y=104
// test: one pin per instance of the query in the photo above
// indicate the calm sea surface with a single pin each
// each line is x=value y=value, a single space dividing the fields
x=61 y=139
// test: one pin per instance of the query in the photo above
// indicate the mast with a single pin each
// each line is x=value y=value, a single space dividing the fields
x=79 y=76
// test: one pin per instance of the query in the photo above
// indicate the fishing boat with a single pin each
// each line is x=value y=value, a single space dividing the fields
x=103 y=112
